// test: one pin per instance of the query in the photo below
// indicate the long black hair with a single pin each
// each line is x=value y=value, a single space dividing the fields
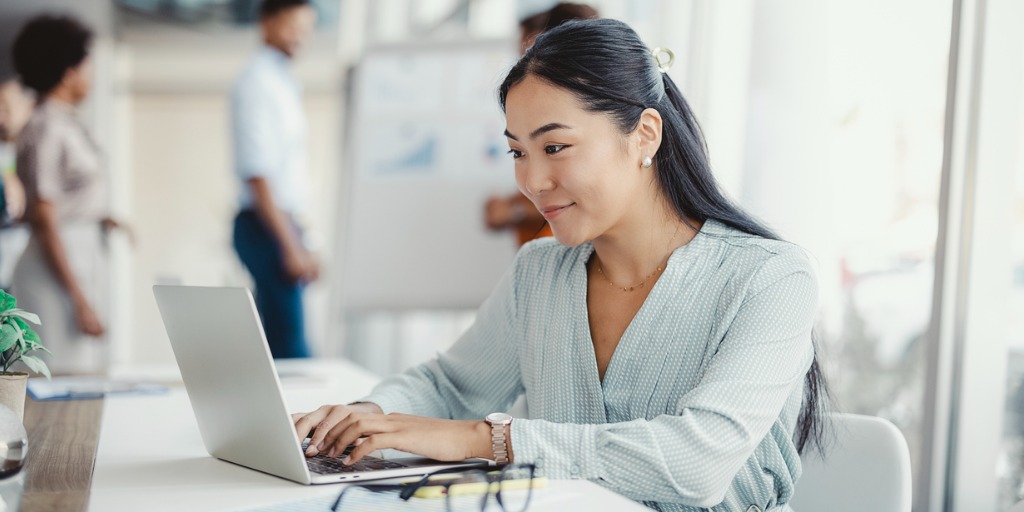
x=608 y=68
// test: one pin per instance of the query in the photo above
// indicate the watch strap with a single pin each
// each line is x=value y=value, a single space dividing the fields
x=498 y=444
x=499 y=441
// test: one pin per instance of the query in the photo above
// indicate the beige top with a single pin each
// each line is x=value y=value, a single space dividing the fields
x=59 y=162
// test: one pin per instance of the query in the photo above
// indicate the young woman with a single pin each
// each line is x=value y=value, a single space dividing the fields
x=62 y=274
x=663 y=342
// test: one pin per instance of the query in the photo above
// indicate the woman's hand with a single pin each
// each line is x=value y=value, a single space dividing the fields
x=336 y=427
x=88 y=321
x=110 y=224
x=315 y=425
x=14 y=194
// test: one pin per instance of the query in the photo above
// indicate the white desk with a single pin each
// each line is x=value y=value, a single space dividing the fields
x=151 y=456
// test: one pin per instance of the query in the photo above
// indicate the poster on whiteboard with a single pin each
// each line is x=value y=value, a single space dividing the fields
x=426 y=149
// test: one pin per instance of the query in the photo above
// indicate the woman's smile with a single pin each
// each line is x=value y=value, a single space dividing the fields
x=553 y=211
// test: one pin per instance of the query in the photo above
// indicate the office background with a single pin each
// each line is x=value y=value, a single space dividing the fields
x=885 y=137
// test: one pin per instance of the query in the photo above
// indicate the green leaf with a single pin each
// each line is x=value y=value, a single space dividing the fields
x=37 y=365
x=24 y=315
x=28 y=341
x=7 y=301
x=8 y=337
x=21 y=343
x=30 y=336
x=21 y=324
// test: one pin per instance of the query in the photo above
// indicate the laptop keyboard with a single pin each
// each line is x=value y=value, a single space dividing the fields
x=330 y=465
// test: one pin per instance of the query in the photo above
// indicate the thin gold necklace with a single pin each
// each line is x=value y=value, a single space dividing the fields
x=645 y=279
x=626 y=288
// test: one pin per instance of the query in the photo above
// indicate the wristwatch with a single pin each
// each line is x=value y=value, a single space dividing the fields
x=499 y=444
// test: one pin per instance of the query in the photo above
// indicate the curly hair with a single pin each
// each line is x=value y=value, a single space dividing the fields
x=46 y=48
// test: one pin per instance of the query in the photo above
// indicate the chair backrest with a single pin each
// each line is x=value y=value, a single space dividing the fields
x=866 y=468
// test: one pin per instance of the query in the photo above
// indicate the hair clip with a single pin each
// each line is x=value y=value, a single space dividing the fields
x=663 y=63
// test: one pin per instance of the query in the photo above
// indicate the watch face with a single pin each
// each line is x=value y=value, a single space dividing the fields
x=498 y=417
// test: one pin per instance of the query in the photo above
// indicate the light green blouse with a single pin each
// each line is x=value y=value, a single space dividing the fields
x=699 y=402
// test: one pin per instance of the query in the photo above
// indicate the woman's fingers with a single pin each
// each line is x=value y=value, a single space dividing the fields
x=354 y=427
x=304 y=422
x=370 y=444
x=330 y=445
x=317 y=424
x=335 y=415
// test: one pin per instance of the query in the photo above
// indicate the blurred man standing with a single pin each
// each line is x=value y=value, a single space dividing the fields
x=269 y=136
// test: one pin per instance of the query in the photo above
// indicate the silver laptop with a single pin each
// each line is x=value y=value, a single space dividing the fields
x=231 y=381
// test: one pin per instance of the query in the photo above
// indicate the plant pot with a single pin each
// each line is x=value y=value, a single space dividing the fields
x=12 y=392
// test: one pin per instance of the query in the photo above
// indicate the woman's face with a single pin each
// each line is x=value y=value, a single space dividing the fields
x=577 y=167
x=79 y=79
x=15 y=109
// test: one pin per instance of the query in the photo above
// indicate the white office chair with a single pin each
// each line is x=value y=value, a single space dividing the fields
x=866 y=468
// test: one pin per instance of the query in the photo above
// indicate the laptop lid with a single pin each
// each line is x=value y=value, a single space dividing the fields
x=235 y=391
x=230 y=378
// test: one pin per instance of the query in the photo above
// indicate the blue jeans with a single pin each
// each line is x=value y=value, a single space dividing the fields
x=278 y=299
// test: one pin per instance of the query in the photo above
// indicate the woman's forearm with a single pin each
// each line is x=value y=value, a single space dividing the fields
x=46 y=228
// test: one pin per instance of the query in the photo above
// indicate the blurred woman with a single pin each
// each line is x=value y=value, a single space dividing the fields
x=62 y=275
x=15 y=110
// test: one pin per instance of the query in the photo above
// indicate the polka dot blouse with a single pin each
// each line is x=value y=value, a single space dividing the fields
x=699 y=402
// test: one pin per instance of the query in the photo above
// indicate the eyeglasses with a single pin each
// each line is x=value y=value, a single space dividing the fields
x=463 y=490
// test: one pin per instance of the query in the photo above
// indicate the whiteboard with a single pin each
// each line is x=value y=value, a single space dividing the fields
x=426 y=149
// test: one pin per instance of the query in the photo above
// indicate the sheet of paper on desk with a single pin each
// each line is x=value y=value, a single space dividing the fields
x=78 y=388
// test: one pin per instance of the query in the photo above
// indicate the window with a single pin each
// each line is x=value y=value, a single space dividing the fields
x=1010 y=465
x=844 y=145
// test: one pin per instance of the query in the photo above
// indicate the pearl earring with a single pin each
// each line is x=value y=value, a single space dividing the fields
x=647 y=162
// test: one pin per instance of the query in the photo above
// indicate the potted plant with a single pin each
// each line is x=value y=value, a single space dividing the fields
x=17 y=340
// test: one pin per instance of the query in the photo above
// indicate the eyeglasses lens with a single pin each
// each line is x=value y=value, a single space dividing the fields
x=468 y=493
x=358 y=499
x=515 y=488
